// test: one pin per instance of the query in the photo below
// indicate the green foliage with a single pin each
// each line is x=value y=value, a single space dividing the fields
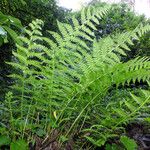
x=112 y=147
x=128 y=143
x=119 y=19
x=19 y=145
x=119 y=114
x=8 y=6
x=7 y=23
x=25 y=11
x=61 y=83
x=10 y=27
x=4 y=140
x=28 y=10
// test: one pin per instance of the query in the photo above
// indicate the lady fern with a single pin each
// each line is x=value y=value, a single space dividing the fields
x=62 y=81
x=116 y=115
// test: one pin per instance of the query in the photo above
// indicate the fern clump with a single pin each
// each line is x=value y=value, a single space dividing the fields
x=61 y=82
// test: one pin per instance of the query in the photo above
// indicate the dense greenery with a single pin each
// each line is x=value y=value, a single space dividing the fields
x=6 y=25
x=28 y=10
x=23 y=12
x=9 y=29
x=120 y=19
x=60 y=89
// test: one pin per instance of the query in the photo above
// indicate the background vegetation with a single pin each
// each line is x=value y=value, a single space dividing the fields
x=16 y=14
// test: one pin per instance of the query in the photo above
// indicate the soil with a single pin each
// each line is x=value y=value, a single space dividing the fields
x=141 y=134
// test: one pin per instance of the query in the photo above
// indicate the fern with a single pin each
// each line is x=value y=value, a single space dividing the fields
x=66 y=77
x=117 y=115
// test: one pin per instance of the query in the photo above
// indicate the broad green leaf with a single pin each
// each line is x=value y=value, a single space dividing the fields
x=19 y=145
x=3 y=18
x=12 y=33
x=128 y=143
x=4 y=140
x=15 y=22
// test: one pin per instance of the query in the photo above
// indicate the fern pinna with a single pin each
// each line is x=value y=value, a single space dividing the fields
x=61 y=80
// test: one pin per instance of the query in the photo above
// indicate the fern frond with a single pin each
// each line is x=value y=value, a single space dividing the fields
x=112 y=120
x=72 y=72
x=136 y=69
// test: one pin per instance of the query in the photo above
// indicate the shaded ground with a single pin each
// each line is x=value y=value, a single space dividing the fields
x=141 y=134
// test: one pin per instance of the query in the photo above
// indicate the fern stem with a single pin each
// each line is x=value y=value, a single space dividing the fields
x=26 y=120
x=11 y=112
x=22 y=99
x=80 y=92
x=77 y=118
